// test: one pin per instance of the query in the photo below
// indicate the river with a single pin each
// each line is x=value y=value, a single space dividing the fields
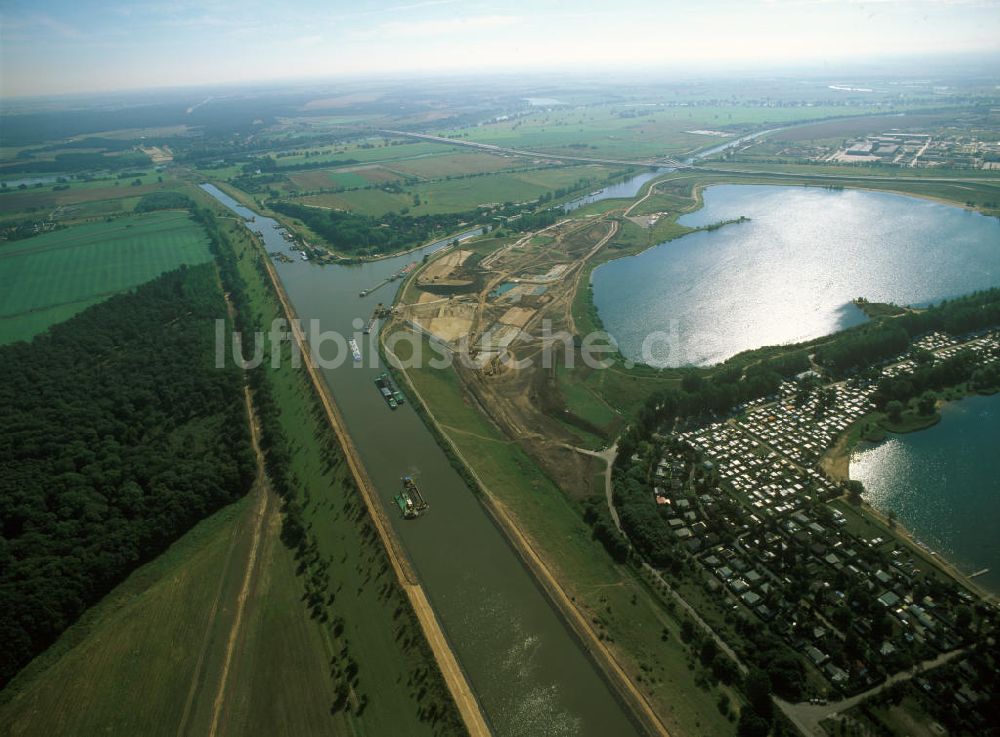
x=623 y=190
x=528 y=669
x=630 y=187
x=943 y=484
x=790 y=273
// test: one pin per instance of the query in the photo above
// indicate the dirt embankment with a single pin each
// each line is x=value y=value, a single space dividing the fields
x=461 y=692
x=573 y=615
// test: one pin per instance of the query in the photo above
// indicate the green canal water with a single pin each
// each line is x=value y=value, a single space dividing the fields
x=943 y=484
x=530 y=672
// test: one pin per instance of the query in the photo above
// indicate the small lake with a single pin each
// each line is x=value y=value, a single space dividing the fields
x=943 y=484
x=790 y=273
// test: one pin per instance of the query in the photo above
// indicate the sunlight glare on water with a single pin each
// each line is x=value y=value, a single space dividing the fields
x=791 y=272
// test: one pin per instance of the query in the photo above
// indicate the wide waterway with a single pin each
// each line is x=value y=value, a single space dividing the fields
x=943 y=484
x=790 y=273
x=530 y=672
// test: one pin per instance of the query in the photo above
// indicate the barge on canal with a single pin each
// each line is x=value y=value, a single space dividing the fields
x=410 y=501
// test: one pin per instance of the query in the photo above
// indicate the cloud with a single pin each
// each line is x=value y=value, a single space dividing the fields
x=35 y=25
x=429 y=28
x=313 y=40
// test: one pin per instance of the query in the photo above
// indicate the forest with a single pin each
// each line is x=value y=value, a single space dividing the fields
x=360 y=234
x=118 y=435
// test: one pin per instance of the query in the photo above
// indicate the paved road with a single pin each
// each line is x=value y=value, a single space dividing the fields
x=807 y=716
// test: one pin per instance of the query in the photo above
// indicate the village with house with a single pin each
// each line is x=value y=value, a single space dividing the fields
x=774 y=535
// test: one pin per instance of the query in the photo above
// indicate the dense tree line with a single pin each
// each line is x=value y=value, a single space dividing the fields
x=76 y=162
x=929 y=377
x=352 y=233
x=963 y=315
x=859 y=348
x=882 y=339
x=164 y=201
x=118 y=435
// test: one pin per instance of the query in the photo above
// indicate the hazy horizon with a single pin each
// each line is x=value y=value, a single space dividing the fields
x=57 y=47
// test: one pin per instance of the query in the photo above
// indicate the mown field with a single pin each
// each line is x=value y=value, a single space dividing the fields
x=643 y=635
x=48 y=278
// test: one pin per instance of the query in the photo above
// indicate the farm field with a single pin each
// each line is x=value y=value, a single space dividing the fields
x=459 y=195
x=50 y=277
x=636 y=131
x=158 y=641
x=45 y=198
x=345 y=178
x=369 y=151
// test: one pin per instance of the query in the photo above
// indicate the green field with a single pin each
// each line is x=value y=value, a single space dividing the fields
x=50 y=277
x=638 y=131
x=461 y=194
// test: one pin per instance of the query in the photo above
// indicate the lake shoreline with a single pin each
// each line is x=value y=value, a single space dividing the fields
x=839 y=459
x=791 y=276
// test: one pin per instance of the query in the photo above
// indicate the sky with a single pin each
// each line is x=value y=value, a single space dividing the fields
x=57 y=46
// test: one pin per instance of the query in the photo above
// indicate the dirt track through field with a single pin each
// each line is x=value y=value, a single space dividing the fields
x=260 y=514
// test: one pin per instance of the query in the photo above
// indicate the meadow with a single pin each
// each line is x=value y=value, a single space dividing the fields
x=50 y=277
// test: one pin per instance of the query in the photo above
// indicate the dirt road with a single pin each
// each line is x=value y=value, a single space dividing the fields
x=807 y=716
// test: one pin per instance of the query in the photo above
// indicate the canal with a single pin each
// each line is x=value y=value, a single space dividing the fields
x=529 y=670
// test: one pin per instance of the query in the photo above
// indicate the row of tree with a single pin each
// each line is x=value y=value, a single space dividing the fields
x=349 y=232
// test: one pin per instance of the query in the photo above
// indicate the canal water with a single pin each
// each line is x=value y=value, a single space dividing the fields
x=629 y=188
x=790 y=273
x=529 y=671
x=623 y=190
x=943 y=484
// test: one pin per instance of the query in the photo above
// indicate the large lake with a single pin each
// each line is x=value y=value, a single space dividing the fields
x=943 y=483
x=790 y=273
